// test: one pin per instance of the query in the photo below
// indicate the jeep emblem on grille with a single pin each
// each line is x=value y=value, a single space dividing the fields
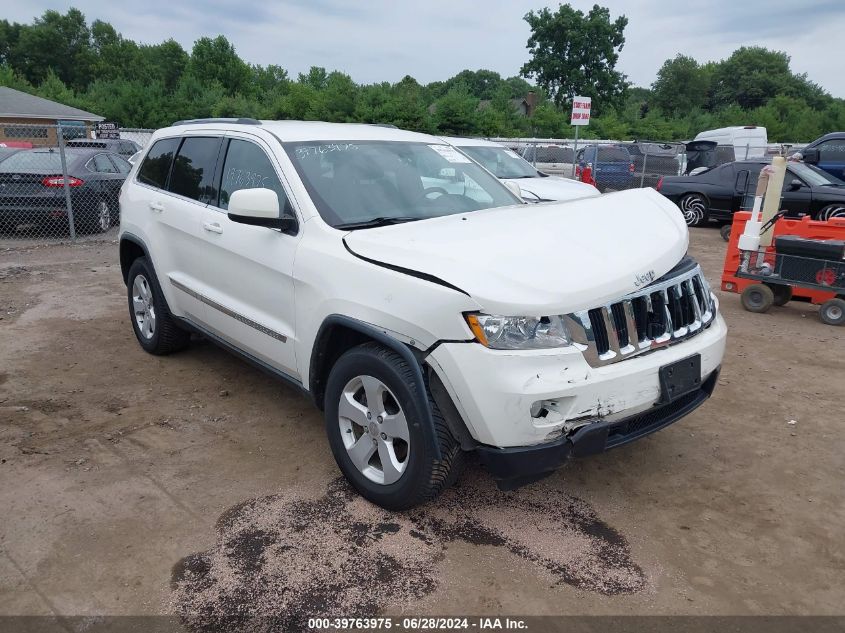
x=643 y=279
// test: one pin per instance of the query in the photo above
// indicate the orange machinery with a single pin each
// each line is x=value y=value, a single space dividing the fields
x=833 y=229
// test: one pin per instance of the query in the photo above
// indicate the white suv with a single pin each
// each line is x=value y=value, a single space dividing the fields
x=425 y=323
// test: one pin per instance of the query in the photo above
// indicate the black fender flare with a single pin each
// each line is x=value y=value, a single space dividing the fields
x=137 y=241
x=319 y=351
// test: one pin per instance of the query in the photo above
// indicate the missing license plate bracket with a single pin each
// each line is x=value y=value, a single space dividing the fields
x=680 y=378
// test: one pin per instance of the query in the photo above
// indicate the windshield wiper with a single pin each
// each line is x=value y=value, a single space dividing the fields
x=376 y=222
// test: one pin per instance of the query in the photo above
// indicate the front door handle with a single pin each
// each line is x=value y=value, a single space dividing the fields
x=157 y=206
x=212 y=227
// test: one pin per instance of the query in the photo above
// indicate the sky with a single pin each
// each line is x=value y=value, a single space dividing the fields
x=384 y=40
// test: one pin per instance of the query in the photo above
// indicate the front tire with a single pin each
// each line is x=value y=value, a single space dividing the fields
x=695 y=209
x=832 y=211
x=155 y=328
x=832 y=312
x=375 y=422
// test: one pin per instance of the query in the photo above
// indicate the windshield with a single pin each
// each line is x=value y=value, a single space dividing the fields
x=501 y=161
x=374 y=182
x=813 y=175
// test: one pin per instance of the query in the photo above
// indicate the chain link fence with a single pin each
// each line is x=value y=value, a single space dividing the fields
x=60 y=182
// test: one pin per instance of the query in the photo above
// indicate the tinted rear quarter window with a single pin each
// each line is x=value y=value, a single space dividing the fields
x=103 y=165
x=156 y=165
x=193 y=169
x=248 y=167
x=121 y=163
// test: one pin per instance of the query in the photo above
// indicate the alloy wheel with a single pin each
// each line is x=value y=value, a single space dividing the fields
x=694 y=209
x=832 y=211
x=103 y=216
x=374 y=430
x=143 y=307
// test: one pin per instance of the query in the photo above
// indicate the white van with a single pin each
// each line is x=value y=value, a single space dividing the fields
x=748 y=141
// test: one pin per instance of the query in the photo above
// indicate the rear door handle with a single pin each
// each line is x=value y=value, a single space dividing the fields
x=157 y=206
x=212 y=227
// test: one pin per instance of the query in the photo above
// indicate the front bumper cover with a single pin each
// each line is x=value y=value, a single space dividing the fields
x=516 y=466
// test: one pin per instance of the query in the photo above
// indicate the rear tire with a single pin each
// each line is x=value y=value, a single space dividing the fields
x=377 y=431
x=757 y=298
x=95 y=220
x=832 y=312
x=155 y=328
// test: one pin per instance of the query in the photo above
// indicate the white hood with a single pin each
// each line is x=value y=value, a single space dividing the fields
x=537 y=260
x=553 y=188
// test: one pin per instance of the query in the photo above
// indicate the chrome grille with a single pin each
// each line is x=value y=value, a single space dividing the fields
x=661 y=314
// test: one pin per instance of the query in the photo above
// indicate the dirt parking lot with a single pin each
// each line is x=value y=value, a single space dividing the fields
x=197 y=485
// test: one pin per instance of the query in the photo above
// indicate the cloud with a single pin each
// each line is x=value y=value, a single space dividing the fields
x=383 y=40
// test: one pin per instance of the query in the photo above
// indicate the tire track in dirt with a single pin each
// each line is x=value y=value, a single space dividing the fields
x=281 y=559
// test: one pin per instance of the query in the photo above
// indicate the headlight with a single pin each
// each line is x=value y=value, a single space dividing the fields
x=500 y=332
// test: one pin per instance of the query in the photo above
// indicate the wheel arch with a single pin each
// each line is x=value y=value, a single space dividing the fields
x=683 y=195
x=338 y=334
x=131 y=248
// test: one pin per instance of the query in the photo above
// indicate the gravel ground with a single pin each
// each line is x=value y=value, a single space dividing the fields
x=199 y=486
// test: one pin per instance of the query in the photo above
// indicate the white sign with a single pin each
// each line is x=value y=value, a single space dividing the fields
x=581 y=111
x=450 y=153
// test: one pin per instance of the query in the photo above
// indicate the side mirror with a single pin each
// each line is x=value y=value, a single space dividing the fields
x=810 y=156
x=258 y=207
x=514 y=187
x=795 y=184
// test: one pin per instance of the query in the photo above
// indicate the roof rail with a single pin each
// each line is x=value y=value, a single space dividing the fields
x=240 y=121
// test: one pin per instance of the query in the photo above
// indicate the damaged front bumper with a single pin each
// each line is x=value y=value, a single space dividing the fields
x=514 y=467
x=549 y=404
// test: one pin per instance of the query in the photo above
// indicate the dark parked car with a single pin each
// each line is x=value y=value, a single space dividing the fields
x=32 y=188
x=719 y=191
x=653 y=160
x=612 y=166
x=828 y=153
x=124 y=147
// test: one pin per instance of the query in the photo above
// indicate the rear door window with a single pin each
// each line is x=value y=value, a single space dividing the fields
x=248 y=167
x=156 y=166
x=193 y=169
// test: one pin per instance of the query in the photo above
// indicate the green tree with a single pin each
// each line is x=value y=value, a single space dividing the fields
x=316 y=78
x=114 y=56
x=751 y=76
x=216 y=60
x=166 y=62
x=576 y=54
x=456 y=112
x=58 y=43
x=681 y=85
